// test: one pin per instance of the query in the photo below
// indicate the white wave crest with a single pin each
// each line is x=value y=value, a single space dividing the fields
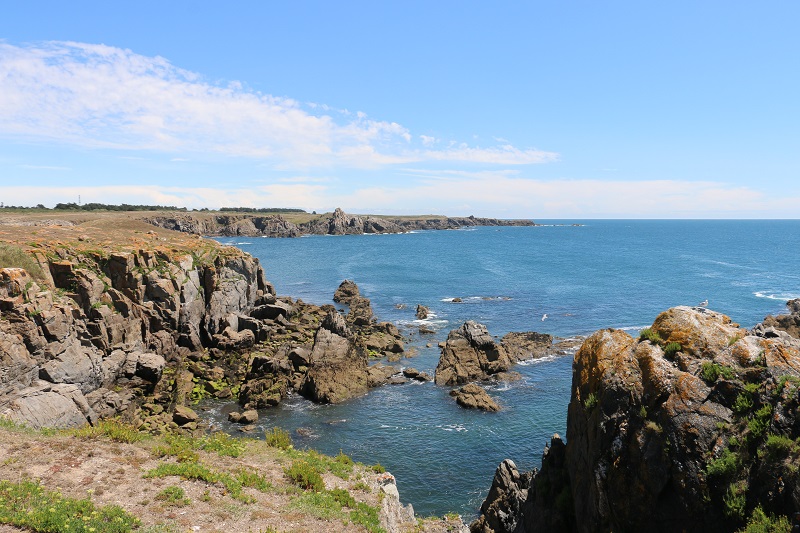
x=782 y=296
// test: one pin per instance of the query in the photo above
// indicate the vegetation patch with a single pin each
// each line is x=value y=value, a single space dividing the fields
x=28 y=505
x=649 y=334
x=760 y=522
x=113 y=429
x=711 y=372
x=16 y=257
x=723 y=466
x=305 y=476
x=173 y=495
x=278 y=438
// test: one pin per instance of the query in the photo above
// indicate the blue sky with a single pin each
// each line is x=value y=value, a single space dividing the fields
x=507 y=109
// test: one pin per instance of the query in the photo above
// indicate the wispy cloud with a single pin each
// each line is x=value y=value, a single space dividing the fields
x=43 y=167
x=99 y=96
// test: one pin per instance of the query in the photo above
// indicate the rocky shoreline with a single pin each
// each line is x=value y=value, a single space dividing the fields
x=336 y=223
x=693 y=424
x=138 y=324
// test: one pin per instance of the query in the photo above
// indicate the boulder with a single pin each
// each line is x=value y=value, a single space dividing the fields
x=413 y=373
x=470 y=354
x=48 y=405
x=422 y=312
x=337 y=371
x=184 y=415
x=472 y=396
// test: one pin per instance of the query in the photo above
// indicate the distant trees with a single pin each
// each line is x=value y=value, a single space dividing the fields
x=72 y=206
x=262 y=210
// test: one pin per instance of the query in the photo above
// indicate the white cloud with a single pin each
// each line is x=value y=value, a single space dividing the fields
x=489 y=194
x=99 y=96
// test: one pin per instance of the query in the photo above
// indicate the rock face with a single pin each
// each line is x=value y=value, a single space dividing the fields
x=689 y=427
x=471 y=396
x=112 y=320
x=470 y=354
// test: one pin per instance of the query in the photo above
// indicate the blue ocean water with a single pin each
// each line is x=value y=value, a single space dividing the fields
x=600 y=274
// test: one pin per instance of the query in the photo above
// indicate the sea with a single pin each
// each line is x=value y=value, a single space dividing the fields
x=584 y=275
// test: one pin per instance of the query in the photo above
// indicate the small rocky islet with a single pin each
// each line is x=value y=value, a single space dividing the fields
x=692 y=425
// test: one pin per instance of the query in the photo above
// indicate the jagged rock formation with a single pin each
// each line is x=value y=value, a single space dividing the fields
x=141 y=329
x=689 y=427
x=336 y=223
x=111 y=320
x=471 y=353
x=227 y=225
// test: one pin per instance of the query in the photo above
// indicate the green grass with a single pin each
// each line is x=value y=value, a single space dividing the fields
x=28 y=505
x=780 y=446
x=735 y=500
x=333 y=504
x=112 y=429
x=340 y=466
x=200 y=472
x=760 y=422
x=185 y=448
x=14 y=256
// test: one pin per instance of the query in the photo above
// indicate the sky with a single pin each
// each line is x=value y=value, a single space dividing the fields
x=540 y=110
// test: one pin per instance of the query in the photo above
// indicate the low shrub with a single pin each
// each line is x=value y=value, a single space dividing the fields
x=672 y=348
x=760 y=522
x=649 y=334
x=173 y=495
x=305 y=476
x=724 y=465
x=710 y=372
x=278 y=438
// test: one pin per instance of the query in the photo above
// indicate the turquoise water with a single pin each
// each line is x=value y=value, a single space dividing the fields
x=617 y=274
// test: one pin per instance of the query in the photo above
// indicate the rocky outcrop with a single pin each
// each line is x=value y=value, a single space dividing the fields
x=689 y=427
x=336 y=223
x=346 y=292
x=470 y=354
x=227 y=225
x=471 y=396
x=790 y=323
x=337 y=369
x=522 y=346
x=112 y=319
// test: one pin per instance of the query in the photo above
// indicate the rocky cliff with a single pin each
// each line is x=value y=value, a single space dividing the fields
x=692 y=426
x=138 y=322
x=336 y=223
